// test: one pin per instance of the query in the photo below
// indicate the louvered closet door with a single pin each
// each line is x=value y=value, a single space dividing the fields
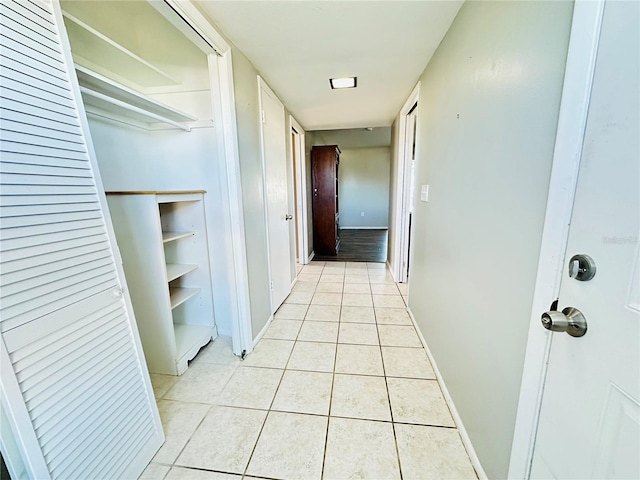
x=76 y=385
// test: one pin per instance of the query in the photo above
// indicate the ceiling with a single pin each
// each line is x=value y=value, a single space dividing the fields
x=298 y=45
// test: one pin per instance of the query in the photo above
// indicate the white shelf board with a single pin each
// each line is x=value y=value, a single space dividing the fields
x=89 y=43
x=177 y=270
x=106 y=97
x=189 y=339
x=179 y=295
x=171 y=236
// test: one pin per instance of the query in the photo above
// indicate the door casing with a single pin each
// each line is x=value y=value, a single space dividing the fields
x=576 y=94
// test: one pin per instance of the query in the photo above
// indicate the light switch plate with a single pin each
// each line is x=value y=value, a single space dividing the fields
x=424 y=193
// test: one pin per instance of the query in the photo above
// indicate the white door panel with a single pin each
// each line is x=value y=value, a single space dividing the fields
x=590 y=418
x=75 y=389
x=276 y=195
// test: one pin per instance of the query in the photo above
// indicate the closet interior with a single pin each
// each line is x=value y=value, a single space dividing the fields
x=145 y=80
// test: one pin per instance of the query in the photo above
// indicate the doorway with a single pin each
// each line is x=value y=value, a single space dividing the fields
x=299 y=192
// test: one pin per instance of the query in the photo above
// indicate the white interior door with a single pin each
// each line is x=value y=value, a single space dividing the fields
x=408 y=187
x=75 y=390
x=274 y=156
x=590 y=415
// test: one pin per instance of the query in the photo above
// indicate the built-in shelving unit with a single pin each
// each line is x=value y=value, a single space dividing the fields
x=163 y=242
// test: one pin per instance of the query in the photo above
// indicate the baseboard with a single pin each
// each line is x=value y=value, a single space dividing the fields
x=313 y=254
x=363 y=228
x=466 y=441
x=263 y=331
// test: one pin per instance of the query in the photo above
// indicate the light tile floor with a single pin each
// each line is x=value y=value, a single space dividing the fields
x=339 y=387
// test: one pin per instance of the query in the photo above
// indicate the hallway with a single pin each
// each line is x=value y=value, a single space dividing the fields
x=360 y=245
x=338 y=387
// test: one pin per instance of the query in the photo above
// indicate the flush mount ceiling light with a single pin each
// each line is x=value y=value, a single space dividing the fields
x=344 y=82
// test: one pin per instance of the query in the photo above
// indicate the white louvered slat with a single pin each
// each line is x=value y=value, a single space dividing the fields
x=24 y=72
x=19 y=23
x=76 y=367
x=49 y=125
x=29 y=89
x=39 y=131
x=39 y=111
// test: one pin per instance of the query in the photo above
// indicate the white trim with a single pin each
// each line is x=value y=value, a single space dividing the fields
x=402 y=193
x=466 y=441
x=223 y=98
x=300 y=184
x=263 y=331
x=364 y=228
x=576 y=94
x=311 y=255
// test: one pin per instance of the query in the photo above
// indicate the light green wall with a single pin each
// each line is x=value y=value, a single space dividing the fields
x=247 y=115
x=364 y=187
x=489 y=103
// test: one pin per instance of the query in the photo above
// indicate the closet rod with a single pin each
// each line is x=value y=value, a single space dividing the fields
x=125 y=105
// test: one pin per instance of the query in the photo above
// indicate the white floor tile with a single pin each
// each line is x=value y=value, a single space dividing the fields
x=224 y=441
x=398 y=336
x=270 y=353
x=251 y=387
x=283 y=329
x=183 y=473
x=358 y=333
x=162 y=383
x=330 y=287
x=179 y=421
x=387 y=301
x=154 y=471
x=323 y=313
x=360 y=449
x=432 y=453
x=376 y=279
x=332 y=278
x=318 y=332
x=418 y=402
x=357 y=288
x=290 y=311
x=403 y=288
x=384 y=289
x=357 y=300
x=313 y=357
x=357 y=315
x=304 y=392
x=359 y=360
x=356 y=278
x=301 y=298
x=392 y=316
x=308 y=277
x=301 y=286
x=218 y=351
x=407 y=363
x=201 y=383
x=323 y=298
x=356 y=396
x=290 y=446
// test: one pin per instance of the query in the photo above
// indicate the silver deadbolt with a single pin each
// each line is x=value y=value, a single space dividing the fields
x=570 y=320
x=582 y=267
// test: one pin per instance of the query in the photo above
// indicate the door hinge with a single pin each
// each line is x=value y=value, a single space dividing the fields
x=271 y=285
x=263 y=116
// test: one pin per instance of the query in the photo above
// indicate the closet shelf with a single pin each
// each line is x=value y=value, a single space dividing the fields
x=90 y=43
x=109 y=97
x=171 y=236
x=179 y=295
x=177 y=270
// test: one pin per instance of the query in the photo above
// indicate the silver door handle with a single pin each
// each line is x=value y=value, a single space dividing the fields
x=288 y=217
x=570 y=320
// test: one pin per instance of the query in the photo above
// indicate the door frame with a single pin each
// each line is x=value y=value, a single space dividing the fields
x=300 y=185
x=401 y=228
x=572 y=120
x=197 y=27
x=263 y=85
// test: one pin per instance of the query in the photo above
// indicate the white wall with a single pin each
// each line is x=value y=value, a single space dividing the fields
x=489 y=102
x=354 y=137
x=363 y=179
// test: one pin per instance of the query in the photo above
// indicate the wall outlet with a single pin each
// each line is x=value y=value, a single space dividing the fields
x=362 y=214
